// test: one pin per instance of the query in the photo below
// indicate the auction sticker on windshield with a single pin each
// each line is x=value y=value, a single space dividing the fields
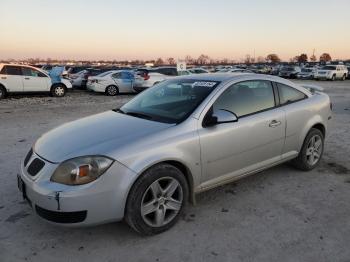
x=205 y=84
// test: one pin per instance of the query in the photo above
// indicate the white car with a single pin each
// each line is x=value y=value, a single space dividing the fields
x=77 y=78
x=332 y=72
x=114 y=82
x=25 y=79
x=235 y=70
x=198 y=70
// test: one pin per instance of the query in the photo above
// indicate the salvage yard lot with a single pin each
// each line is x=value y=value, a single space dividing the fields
x=281 y=214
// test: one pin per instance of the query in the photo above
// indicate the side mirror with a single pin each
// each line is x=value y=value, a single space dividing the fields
x=219 y=116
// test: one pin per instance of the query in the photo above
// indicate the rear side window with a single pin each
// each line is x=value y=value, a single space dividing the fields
x=247 y=98
x=11 y=70
x=289 y=94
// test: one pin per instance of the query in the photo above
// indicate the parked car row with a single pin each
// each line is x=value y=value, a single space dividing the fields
x=112 y=81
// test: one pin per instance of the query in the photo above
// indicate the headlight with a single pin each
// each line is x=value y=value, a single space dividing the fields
x=81 y=170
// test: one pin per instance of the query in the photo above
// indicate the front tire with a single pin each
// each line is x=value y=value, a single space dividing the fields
x=311 y=151
x=333 y=78
x=111 y=90
x=343 y=78
x=58 y=90
x=156 y=200
x=2 y=92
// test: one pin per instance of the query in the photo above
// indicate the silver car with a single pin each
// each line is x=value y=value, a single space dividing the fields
x=183 y=136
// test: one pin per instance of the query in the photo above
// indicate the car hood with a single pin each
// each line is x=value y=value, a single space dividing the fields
x=100 y=134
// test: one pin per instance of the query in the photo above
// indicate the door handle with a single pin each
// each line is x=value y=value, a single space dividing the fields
x=27 y=78
x=3 y=77
x=275 y=123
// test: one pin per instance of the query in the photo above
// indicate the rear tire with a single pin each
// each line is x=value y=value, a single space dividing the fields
x=112 y=90
x=333 y=78
x=344 y=77
x=58 y=90
x=3 y=92
x=156 y=200
x=311 y=152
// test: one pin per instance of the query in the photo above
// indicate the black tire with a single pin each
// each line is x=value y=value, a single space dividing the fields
x=344 y=77
x=133 y=213
x=301 y=162
x=58 y=90
x=112 y=90
x=3 y=92
x=333 y=78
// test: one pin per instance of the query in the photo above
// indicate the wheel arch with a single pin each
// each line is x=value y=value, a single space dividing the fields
x=58 y=84
x=317 y=124
x=185 y=170
x=320 y=127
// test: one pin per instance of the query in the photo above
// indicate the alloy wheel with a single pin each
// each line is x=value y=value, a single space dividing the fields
x=161 y=202
x=112 y=90
x=314 y=150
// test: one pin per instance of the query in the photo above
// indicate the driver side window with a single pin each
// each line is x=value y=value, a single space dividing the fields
x=246 y=98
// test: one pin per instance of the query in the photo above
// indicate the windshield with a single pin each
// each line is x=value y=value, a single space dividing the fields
x=287 y=69
x=170 y=101
x=105 y=73
x=306 y=70
x=328 y=68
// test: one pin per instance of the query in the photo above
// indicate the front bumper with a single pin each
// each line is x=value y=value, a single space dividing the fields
x=323 y=77
x=95 y=203
x=96 y=87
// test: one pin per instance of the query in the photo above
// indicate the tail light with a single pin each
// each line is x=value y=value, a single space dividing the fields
x=146 y=77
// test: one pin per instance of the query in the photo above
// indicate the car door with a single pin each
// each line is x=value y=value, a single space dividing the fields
x=34 y=80
x=124 y=81
x=11 y=77
x=256 y=140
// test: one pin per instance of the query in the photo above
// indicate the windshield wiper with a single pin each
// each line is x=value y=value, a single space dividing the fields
x=118 y=110
x=139 y=115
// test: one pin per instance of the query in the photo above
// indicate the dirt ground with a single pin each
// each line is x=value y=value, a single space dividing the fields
x=281 y=214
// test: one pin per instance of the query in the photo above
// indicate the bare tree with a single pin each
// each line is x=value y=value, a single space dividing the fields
x=249 y=60
x=159 y=61
x=171 y=61
x=203 y=59
x=302 y=58
x=273 y=58
x=189 y=60
x=325 y=57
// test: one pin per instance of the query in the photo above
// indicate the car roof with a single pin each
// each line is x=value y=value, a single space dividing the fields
x=219 y=77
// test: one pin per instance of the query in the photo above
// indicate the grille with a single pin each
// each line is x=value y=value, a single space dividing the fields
x=35 y=167
x=28 y=156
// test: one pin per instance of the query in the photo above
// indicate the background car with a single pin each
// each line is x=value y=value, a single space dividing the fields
x=235 y=70
x=332 y=72
x=28 y=79
x=156 y=75
x=289 y=71
x=114 y=82
x=198 y=70
x=307 y=73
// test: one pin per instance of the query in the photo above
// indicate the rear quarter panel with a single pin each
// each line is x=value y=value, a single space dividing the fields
x=302 y=116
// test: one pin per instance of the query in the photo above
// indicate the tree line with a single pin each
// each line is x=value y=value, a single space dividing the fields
x=201 y=60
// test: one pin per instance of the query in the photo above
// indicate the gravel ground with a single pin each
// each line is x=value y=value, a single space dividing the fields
x=280 y=214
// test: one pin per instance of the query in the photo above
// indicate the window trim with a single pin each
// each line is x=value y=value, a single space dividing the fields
x=279 y=98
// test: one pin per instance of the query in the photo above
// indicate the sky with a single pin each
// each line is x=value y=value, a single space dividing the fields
x=140 y=29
